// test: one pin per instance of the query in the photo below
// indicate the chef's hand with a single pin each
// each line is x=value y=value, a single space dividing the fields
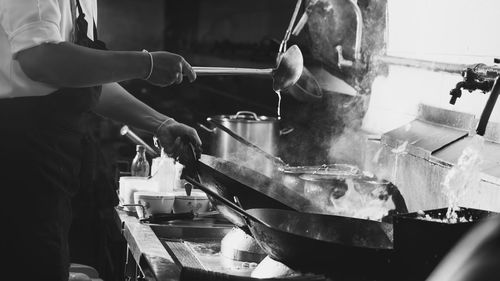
x=175 y=137
x=169 y=68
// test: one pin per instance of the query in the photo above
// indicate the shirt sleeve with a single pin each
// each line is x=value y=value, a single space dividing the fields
x=29 y=23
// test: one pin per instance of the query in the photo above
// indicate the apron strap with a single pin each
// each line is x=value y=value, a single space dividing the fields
x=80 y=10
x=82 y=14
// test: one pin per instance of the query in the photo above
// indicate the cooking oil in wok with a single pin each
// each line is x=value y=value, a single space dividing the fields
x=278 y=92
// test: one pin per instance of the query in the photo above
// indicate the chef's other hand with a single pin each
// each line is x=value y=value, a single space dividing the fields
x=169 y=68
x=174 y=137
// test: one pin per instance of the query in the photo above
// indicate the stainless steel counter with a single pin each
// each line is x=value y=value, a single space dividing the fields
x=161 y=251
x=147 y=250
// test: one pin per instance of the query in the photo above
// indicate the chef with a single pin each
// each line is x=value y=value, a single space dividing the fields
x=53 y=69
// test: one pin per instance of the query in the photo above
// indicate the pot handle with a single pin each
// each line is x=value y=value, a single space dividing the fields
x=286 y=131
x=205 y=128
x=251 y=113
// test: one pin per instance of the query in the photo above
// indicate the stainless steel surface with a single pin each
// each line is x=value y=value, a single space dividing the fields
x=205 y=228
x=288 y=32
x=212 y=70
x=490 y=163
x=357 y=43
x=147 y=250
x=247 y=143
x=125 y=131
x=306 y=88
x=332 y=244
x=284 y=75
x=359 y=30
x=256 y=131
x=254 y=190
x=449 y=118
x=421 y=138
x=290 y=175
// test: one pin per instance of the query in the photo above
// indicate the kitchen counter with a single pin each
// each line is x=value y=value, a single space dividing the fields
x=160 y=252
x=147 y=250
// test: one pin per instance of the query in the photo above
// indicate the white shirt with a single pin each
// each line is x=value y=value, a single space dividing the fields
x=28 y=23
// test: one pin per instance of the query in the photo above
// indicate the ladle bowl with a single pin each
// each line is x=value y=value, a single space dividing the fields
x=285 y=75
x=306 y=89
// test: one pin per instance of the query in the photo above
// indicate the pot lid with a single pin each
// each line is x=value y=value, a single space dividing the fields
x=243 y=116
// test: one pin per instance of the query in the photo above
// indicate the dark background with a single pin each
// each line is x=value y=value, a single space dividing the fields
x=228 y=33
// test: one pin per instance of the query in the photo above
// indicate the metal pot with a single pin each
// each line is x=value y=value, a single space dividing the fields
x=261 y=131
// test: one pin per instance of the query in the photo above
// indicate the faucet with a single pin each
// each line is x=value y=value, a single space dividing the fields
x=472 y=81
x=484 y=78
x=357 y=44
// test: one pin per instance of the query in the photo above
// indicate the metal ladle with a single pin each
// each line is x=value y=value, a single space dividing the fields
x=286 y=74
x=307 y=88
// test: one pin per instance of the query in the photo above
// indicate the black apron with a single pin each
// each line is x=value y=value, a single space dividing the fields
x=41 y=154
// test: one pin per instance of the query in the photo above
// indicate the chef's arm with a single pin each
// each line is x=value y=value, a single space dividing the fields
x=118 y=104
x=69 y=65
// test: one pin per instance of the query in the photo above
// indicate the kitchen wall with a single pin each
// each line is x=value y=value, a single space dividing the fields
x=218 y=33
x=450 y=31
x=453 y=31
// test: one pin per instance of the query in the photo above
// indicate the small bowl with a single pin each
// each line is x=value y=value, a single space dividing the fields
x=197 y=202
x=154 y=203
x=128 y=185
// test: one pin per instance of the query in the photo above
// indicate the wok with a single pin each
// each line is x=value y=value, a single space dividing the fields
x=336 y=246
x=252 y=189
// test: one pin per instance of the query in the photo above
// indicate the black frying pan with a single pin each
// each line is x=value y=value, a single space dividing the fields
x=326 y=244
x=254 y=190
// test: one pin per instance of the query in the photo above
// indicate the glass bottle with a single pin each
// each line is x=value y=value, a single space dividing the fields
x=140 y=165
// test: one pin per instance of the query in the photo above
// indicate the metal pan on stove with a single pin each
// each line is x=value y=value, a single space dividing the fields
x=254 y=190
x=325 y=244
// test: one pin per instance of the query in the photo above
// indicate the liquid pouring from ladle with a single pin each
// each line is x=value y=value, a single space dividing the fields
x=286 y=74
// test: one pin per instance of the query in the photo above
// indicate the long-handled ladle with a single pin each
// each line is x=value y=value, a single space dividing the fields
x=286 y=74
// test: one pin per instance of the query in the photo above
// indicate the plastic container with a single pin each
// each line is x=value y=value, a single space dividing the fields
x=128 y=185
x=197 y=202
x=153 y=202
x=167 y=173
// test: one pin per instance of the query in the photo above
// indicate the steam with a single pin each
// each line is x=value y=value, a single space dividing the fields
x=464 y=175
x=248 y=157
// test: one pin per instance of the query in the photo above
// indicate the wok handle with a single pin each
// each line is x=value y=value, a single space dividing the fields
x=226 y=202
x=209 y=70
x=125 y=131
